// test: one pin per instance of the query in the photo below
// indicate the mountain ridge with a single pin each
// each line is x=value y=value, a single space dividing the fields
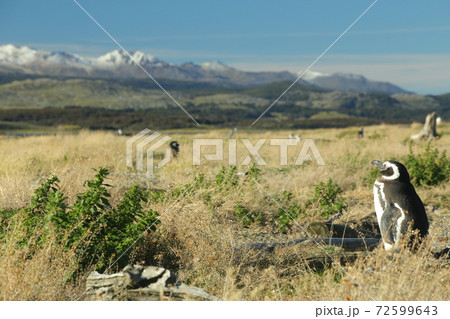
x=22 y=60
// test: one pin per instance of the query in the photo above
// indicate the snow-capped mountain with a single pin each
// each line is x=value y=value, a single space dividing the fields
x=119 y=57
x=118 y=64
x=214 y=66
x=311 y=75
x=22 y=55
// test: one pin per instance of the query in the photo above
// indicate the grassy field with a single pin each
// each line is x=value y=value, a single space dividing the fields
x=200 y=233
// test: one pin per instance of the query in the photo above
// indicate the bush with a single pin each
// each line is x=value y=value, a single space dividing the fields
x=98 y=232
x=245 y=216
x=289 y=213
x=227 y=179
x=254 y=171
x=327 y=199
x=430 y=168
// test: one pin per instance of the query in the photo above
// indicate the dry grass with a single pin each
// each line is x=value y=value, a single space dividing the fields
x=36 y=272
x=200 y=239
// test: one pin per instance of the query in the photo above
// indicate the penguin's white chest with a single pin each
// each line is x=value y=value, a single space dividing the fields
x=390 y=216
x=379 y=200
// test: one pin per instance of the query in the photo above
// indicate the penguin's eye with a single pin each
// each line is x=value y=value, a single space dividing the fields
x=387 y=172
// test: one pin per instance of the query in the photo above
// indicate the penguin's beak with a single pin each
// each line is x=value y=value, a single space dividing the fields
x=378 y=164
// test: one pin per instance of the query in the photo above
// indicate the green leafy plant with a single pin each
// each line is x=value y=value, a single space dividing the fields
x=430 y=168
x=289 y=213
x=254 y=171
x=227 y=177
x=124 y=225
x=327 y=199
x=287 y=216
x=97 y=231
x=107 y=232
x=245 y=216
x=47 y=210
x=6 y=215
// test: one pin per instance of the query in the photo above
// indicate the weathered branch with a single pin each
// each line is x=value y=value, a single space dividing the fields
x=429 y=129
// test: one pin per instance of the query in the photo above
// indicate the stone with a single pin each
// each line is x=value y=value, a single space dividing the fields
x=143 y=283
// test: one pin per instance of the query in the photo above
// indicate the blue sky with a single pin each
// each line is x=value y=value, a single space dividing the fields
x=406 y=42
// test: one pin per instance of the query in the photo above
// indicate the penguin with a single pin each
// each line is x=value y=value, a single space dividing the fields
x=397 y=205
x=361 y=132
x=175 y=147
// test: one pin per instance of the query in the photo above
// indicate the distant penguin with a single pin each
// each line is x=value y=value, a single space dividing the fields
x=397 y=204
x=175 y=147
x=361 y=132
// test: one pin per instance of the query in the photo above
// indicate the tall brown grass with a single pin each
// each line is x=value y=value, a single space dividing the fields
x=202 y=240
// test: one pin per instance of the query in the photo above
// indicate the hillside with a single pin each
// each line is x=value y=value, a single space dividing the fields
x=354 y=83
x=45 y=92
x=132 y=103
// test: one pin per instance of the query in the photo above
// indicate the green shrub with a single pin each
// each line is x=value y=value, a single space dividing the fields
x=327 y=199
x=108 y=232
x=124 y=225
x=47 y=210
x=429 y=168
x=253 y=171
x=98 y=232
x=245 y=216
x=6 y=216
x=227 y=177
x=289 y=213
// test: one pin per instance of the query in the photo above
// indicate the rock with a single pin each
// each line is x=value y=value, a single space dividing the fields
x=144 y=283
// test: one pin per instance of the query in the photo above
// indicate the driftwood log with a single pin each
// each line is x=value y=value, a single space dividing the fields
x=142 y=283
x=329 y=233
x=331 y=230
x=429 y=129
x=346 y=244
x=329 y=243
x=313 y=253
